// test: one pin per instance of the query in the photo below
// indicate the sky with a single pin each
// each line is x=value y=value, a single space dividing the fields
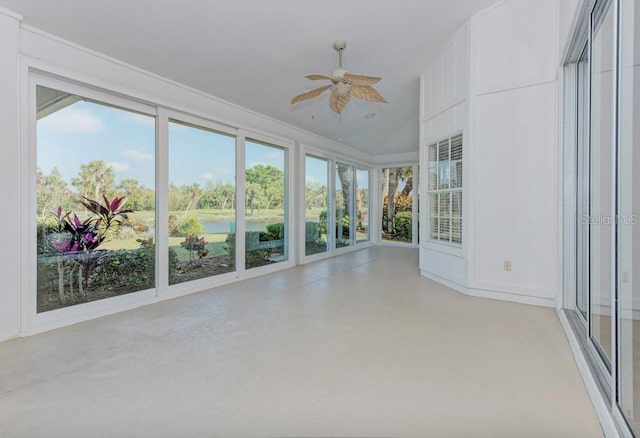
x=87 y=131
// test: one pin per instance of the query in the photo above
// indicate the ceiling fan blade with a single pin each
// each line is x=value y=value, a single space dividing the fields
x=361 y=79
x=368 y=93
x=310 y=94
x=318 y=77
x=337 y=101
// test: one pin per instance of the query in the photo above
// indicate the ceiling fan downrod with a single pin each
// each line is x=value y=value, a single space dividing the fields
x=340 y=45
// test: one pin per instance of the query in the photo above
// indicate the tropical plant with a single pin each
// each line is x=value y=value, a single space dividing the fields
x=76 y=240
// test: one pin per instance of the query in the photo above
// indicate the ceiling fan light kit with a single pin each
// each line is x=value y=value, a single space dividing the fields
x=344 y=85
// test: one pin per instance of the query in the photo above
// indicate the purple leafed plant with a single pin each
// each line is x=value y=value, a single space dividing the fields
x=77 y=240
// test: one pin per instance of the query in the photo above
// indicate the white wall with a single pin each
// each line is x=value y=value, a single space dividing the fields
x=512 y=154
x=444 y=110
x=10 y=251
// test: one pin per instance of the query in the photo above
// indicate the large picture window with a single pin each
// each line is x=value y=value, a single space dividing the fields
x=202 y=215
x=444 y=169
x=95 y=195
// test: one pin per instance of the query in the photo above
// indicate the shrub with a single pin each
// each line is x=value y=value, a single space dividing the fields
x=174 y=226
x=230 y=245
x=126 y=268
x=322 y=224
x=44 y=231
x=311 y=231
x=126 y=233
x=403 y=224
x=275 y=231
x=173 y=263
x=191 y=226
x=139 y=225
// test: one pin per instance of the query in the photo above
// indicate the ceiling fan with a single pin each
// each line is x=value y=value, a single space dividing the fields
x=344 y=85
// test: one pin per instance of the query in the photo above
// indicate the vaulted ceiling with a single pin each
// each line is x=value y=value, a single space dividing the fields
x=255 y=53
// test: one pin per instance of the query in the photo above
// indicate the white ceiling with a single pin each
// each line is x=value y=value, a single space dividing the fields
x=255 y=53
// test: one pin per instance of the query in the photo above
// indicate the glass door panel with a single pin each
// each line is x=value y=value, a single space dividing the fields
x=266 y=204
x=397 y=203
x=343 y=202
x=629 y=208
x=202 y=191
x=601 y=215
x=582 y=227
x=316 y=202
x=362 y=205
x=95 y=194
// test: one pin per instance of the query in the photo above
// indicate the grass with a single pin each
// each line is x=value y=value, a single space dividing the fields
x=212 y=214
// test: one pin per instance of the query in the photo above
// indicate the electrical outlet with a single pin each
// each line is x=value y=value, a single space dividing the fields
x=507 y=265
x=625 y=277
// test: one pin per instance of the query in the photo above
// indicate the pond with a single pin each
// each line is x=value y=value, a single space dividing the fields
x=224 y=226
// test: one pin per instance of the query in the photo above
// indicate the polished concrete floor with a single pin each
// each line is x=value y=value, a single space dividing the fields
x=358 y=345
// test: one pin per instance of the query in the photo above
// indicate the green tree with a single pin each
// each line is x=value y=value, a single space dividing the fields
x=191 y=227
x=52 y=192
x=270 y=179
x=254 y=197
x=131 y=189
x=193 y=193
x=95 y=179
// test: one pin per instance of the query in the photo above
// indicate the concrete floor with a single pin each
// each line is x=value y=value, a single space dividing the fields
x=358 y=345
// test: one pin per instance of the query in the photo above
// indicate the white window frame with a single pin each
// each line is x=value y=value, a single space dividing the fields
x=31 y=321
x=433 y=191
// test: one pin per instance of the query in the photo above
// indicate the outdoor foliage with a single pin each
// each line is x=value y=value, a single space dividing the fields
x=322 y=225
x=190 y=227
x=125 y=268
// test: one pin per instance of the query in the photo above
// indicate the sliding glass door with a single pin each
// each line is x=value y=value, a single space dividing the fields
x=629 y=211
x=95 y=196
x=266 y=230
x=607 y=200
x=344 y=190
x=202 y=192
x=316 y=202
x=601 y=214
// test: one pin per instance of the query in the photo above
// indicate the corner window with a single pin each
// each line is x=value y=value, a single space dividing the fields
x=362 y=205
x=445 y=189
x=397 y=204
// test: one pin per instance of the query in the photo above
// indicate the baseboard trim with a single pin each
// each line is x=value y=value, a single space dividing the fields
x=491 y=294
x=514 y=298
x=450 y=284
x=597 y=399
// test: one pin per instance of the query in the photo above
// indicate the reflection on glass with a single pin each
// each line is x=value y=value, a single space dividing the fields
x=629 y=209
x=95 y=200
x=582 y=237
x=344 y=197
x=202 y=215
x=397 y=203
x=362 y=205
x=266 y=215
x=601 y=248
x=316 y=201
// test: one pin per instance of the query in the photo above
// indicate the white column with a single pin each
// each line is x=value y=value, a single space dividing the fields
x=10 y=189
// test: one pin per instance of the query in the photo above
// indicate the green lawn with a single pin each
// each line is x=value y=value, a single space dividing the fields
x=212 y=214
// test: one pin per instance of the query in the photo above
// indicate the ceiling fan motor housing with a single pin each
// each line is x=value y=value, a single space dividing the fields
x=338 y=73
